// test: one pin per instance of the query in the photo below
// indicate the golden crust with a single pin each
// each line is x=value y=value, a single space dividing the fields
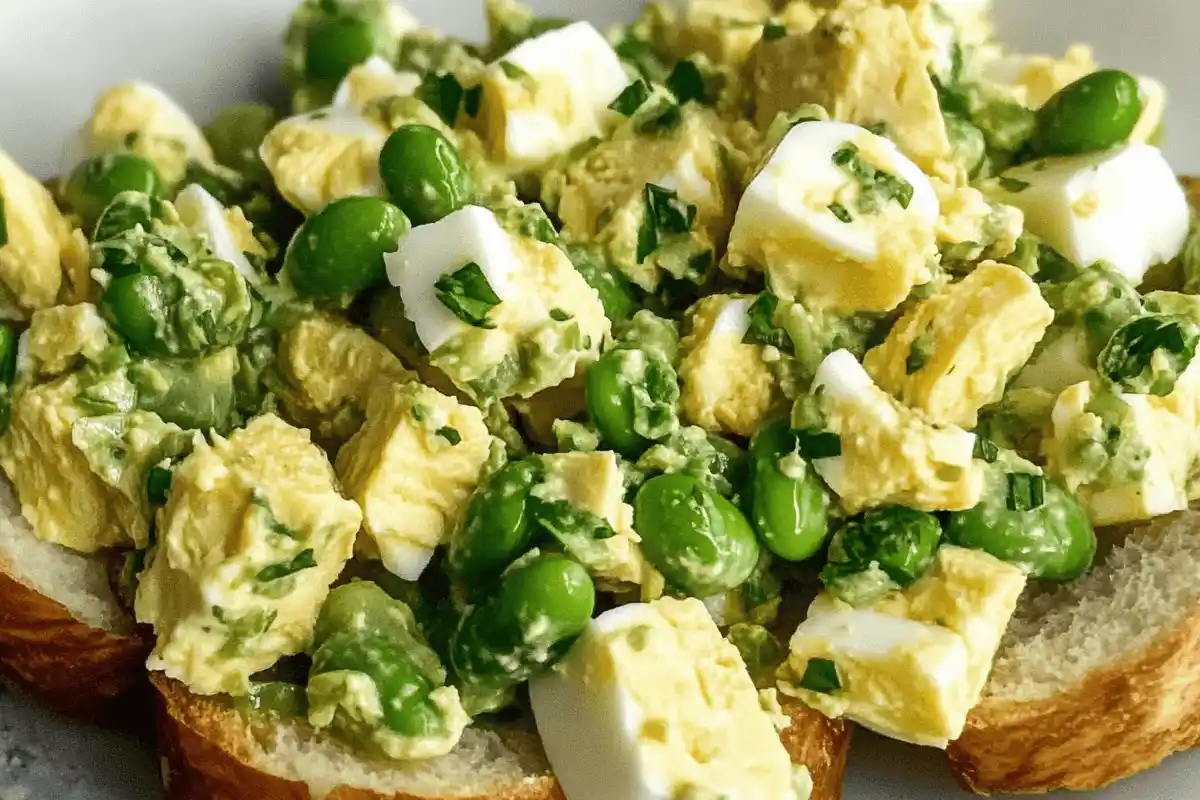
x=75 y=669
x=205 y=755
x=1116 y=722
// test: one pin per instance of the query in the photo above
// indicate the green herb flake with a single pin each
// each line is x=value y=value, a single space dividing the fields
x=773 y=31
x=633 y=97
x=451 y=435
x=158 y=485
x=820 y=675
x=876 y=187
x=686 y=82
x=1013 y=185
x=762 y=328
x=1026 y=492
x=816 y=444
x=303 y=560
x=841 y=212
x=665 y=216
x=919 y=353
x=3 y=225
x=1147 y=355
x=558 y=315
x=444 y=94
x=513 y=72
x=468 y=295
x=662 y=122
x=473 y=101
x=420 y=412
x=986 y=450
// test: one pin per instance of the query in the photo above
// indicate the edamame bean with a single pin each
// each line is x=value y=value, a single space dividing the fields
x=1093 y=113
x=96 y=182
x=631 y=398
x=496 y=529
x=236 y=134
x=362 y=605
x=1054 y=541
x=340 y=249
x=8 y=354
x=334 y=46
x=195 y=394
x=275 y=699
x=136 y=304
x=697 y=539
x=787 y=500
x=616 y=292
x=425 y=174
x=523 y=628
x=884 y=550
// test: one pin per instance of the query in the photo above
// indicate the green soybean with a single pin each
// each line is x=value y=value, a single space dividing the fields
x=96 y=182
x=632 y=397
x=275 y=699
x=1054 y=541
x=789 y=511
x=340 y=249
x=136 y=304
x=334 y=46
x=885 y=549
x=236 y=134
x=496 y=528
x=524 y=627
x=425 y=174
x=364 y=606
x=616 y=292
x=8 y=354
x=195 y=394
x=1093 y=113
x=697 y=539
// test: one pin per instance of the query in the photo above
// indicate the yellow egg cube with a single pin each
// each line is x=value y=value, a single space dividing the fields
x=953 y=353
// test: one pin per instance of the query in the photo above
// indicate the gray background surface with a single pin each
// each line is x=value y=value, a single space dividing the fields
x=56 y=55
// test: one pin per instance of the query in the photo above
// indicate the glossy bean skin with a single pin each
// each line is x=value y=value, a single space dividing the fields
x=236 y=134
x=632 y=396
x=339 y=250
x=790 y=515
x=522 y=628
x=96 y=182
x=134 y=304
x=425 y=174
x=1054 y=541
x=496 y=529
x=334 y=46
x=698 y=540
x=1093 y=113
x=881 y=551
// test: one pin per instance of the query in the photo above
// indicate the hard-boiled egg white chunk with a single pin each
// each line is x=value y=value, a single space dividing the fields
x=226 y=232
x=1159 y=433
x=411 y=481
x=1122 y=206
x=548 y=94
x=727 y=386
x=890 y=454
x=953 y=353
x=141 y=117
x=912 y=666
x=803 y=220
x=548 y=320
x=653 y=704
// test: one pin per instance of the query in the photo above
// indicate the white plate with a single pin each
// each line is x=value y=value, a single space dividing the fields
x=55 y=55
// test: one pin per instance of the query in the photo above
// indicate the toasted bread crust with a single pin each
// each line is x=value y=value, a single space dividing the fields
x=1116 y=722
x=75 y=669
x=205 y=755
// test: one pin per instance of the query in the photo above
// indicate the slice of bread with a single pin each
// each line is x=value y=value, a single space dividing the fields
x=1096 y=680
x=64 y=638
x=209 y=751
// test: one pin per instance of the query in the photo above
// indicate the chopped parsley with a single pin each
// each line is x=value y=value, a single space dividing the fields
x=451 y=435
x=665 y=216
x=558 y=315
x=472 y=101
x=1147 y=355
x=986 y=450
x=919 y=353
x=513 y=72
x=762 y=328
x=773 y=31
x=444 y=94
x=1025 y=492
x=420 y=412
x=686 y=82
x=3 y=225
x=303 y=560
x=876 y=187
x=158 y=485
x=841 y=212
x=820 y=675
x=633 y=97
x=817 y=444
x=468 y=295
x=1014 y=185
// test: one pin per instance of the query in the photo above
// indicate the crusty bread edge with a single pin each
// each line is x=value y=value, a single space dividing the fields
x=75 y=669
x=205 y=755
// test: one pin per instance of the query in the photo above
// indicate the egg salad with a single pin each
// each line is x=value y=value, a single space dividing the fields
x=535 y=376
